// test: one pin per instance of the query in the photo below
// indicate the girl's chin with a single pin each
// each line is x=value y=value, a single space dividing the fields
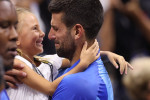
x=38 y=51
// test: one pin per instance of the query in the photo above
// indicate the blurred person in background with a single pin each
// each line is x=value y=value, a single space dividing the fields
x=126 y=27
x=137 y=82
x=126 y=31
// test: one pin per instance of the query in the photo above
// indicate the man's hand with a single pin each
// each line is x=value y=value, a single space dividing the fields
x=10 y=76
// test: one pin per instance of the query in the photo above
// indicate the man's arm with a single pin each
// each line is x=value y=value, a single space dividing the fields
x=133 y=10
x=139 y=17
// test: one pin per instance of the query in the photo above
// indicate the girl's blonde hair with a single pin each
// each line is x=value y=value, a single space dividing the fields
x=21 y=13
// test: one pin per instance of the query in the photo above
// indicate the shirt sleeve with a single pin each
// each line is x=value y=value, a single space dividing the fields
x=55 y=60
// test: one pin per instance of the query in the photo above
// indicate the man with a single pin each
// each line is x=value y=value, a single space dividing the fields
x=8 y=37
x=1 y=75
x=137 y=82
x=74 y=22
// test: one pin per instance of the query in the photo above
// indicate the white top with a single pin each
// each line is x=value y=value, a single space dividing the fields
x=105 y=4
x=24 y=92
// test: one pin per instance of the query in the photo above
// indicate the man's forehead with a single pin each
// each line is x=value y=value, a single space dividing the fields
x=57 y=16
x=56 y=21
x=7 y=11
x=4 y=4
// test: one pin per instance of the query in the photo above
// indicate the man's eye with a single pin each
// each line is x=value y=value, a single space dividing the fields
x=56 y=29
x=4 y=25
x=15 y=26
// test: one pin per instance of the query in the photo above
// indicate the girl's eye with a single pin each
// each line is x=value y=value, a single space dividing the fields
x=35 y=28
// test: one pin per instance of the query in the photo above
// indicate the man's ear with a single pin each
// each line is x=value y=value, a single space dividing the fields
x=79 y=31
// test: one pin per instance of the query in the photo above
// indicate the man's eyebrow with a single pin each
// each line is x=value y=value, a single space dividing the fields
x=3 y=21
x=16 y=22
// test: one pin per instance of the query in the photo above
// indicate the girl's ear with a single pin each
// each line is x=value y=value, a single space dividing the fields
x=79 y=31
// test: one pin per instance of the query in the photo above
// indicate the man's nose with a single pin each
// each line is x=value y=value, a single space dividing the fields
x=51 y=35
x=13 y=34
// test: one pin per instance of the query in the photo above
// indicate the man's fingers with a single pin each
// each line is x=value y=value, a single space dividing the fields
x=17 y=65
x=11 y=79
x=12 y=85
x=16 y=73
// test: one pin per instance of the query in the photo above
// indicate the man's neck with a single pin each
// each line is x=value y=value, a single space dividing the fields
x=77 y=53
x=76 y=56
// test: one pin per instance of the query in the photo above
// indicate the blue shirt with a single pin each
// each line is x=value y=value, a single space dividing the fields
x=3 y=95
x=92 y=84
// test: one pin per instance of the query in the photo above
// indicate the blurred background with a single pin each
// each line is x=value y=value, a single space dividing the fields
x=125 y=31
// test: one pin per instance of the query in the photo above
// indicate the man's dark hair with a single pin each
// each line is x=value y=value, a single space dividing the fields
x=88 y=13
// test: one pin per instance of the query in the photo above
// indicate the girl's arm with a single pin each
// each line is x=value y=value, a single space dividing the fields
x=65 y=63
x=114 y=59
x=37 y=82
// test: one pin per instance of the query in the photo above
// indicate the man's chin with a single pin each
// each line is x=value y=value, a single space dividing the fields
x=60 y=54
x=8 y=65
x=66 y=54
x=7 y=68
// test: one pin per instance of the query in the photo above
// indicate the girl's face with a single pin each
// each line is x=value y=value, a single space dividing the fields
x=30 y=35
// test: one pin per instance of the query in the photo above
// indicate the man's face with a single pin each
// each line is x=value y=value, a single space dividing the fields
x=64 y=40
x=8 y=35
